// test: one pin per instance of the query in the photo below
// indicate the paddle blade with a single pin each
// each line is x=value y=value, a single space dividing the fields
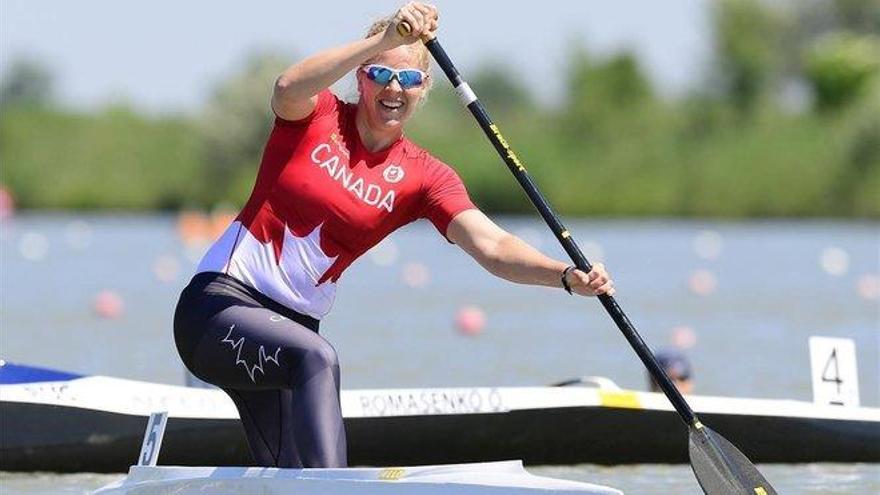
x=721 y=468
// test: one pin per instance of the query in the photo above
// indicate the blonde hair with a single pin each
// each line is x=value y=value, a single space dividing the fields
x=421 y=52
x=419 y=49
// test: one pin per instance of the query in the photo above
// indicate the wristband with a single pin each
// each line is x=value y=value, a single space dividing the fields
x=565 y=273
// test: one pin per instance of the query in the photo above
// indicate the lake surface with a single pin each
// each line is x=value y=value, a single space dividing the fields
x=744 y=296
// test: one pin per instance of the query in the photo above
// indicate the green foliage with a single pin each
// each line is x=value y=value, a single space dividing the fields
x=114 y=159
x=235 y=124
x=613 y=148
x=840 y=66
x=27 y=84
x=858 y=16
x=605 y=97
x=748 y=47
x=504 y=92
x=858 y=180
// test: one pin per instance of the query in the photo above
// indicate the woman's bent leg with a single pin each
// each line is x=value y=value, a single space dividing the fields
x=284 y=380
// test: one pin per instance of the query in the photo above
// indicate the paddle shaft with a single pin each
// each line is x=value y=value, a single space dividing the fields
x=473 y=104
x=719 y=466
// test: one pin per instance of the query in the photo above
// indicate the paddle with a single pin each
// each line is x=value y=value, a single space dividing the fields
x=719 y=467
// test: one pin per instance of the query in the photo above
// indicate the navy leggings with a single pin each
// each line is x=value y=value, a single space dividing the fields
x=282 y=376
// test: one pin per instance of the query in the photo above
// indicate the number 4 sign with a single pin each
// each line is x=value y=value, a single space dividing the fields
x=835 y=379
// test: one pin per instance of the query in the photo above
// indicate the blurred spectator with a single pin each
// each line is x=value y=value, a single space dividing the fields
x=677 y=367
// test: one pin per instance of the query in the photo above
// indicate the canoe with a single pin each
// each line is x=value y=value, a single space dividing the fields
x=64 y=422
x=506 y=477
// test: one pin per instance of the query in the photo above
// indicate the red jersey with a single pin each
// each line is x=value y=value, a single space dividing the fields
x=321 y=200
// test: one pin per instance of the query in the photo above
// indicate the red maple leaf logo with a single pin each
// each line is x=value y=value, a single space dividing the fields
x=265 y=226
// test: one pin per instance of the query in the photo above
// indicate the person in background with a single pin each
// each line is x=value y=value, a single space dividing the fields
x=677 y=367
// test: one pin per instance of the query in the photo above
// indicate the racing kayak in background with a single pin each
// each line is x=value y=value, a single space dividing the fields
x=64 y=422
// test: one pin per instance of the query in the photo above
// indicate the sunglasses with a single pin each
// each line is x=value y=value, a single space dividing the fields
x=407 y=78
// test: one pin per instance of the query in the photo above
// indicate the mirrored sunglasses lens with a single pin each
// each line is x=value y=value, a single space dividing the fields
x=410 y=78
x=379 y=74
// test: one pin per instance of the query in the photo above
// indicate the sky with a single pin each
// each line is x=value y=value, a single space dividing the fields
x=166 y=55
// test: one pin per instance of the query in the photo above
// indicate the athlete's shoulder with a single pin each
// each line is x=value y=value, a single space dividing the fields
x=327 y=100
x=328 y=104
x=413 y=153
x=436 y=174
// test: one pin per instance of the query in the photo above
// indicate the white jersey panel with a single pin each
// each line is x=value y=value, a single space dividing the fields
x=290 y=281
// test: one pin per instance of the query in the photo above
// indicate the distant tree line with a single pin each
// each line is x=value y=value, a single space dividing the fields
x=786 y=123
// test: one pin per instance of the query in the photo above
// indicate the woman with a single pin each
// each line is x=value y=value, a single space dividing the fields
x=335 y=179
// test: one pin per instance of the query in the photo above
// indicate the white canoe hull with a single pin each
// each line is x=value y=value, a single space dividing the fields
x=70 y=423
x=507 y=477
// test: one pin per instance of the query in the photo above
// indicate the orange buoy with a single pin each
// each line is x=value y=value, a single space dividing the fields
x=683 y=337
x=868 y=287
x=7 y=204
x=702 y=282
x=194 y=228
x=220 y=220
x=470 y=320
x=108 y=304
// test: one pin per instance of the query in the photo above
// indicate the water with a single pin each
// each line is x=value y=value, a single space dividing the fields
x=751 y=333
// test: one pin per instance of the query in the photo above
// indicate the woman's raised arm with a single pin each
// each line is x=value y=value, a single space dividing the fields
x=296 y=89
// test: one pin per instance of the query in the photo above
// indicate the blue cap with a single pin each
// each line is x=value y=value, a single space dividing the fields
x=674 y=364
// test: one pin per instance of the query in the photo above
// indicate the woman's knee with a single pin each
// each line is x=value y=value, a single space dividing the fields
x=320 y=356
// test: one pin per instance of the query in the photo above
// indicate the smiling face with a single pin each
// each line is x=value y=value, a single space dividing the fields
x=385 y=108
